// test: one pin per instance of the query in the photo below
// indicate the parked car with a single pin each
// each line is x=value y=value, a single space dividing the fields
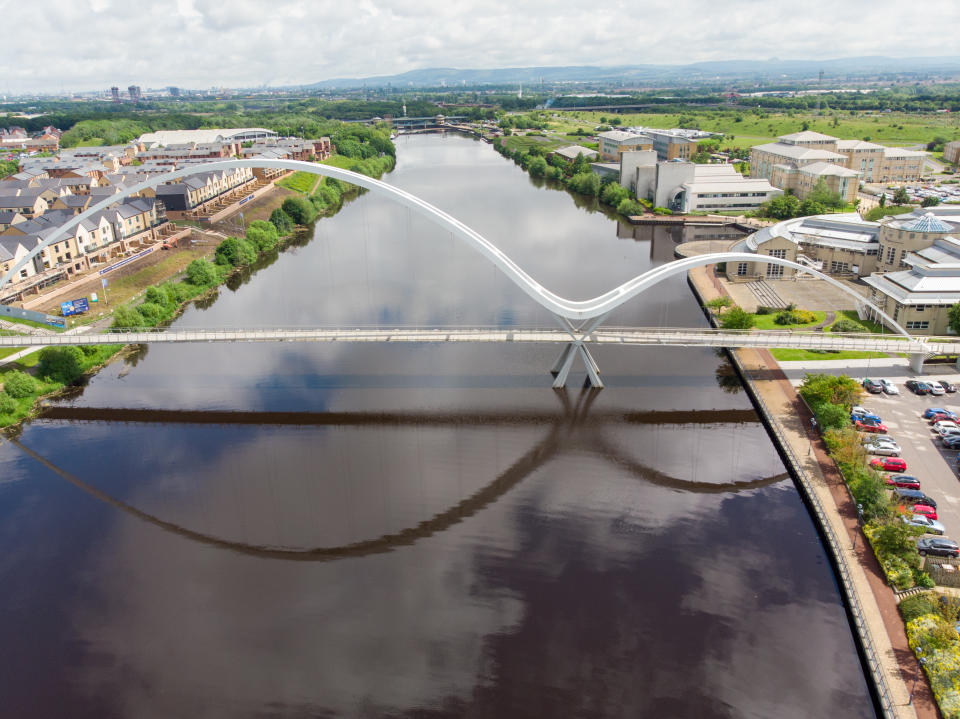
x=873 y=386
x=914 y=496
x=946 y=430
x=931 y=526
x=951 y=441
x=889 y=387
x=926 y=510
x=930 y=411
x=882 y=439
x=857 y=409
x=939 y=546
x=870 y=427
x=889 y=464
x=947 y=387
x=939 y=416
x=917 y=387
x=888 y=449
x=904 y=481
x=936 y=389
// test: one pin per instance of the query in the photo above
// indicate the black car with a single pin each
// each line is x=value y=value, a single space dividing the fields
x=947 y=387
x=913 y=496
x=873 y=386
x=938 y=546
x=917 y=387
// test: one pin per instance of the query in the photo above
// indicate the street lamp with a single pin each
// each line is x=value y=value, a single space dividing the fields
x=856 y=532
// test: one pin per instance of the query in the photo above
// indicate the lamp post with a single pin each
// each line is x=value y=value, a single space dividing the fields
x=856 y=532
x=920 y=662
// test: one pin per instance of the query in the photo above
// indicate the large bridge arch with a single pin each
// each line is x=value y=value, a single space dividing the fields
x=588 y=313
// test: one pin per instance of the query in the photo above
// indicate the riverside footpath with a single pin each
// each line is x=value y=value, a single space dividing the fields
x=870 y=601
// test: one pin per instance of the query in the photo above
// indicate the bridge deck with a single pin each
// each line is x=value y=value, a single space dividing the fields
x=627 y=336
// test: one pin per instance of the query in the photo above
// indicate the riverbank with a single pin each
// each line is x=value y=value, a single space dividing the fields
x=870 y=602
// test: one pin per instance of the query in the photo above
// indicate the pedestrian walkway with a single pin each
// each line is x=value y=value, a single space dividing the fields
x=877 y=601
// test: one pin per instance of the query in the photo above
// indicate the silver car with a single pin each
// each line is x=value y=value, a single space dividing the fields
x=930 y=526
x=887 y=449
x=889 y=387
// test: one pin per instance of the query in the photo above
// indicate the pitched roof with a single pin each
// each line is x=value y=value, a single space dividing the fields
x=807 y=136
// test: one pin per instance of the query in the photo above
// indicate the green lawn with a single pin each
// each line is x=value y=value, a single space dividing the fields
x=515 y=142
x=344 y=163
x=783 y=354
x=766 y=322
x=877 y=213
x=7 y=351
x=299 y=181
x=869 y=324
x=31 y=323
x=896 y=129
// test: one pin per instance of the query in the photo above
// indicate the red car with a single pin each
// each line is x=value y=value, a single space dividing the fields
x=889 y=464
x=905 y=481
x=943 y=415
x=925 y=510
x=868 y=427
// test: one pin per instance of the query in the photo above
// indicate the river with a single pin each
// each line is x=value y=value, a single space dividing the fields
x=419 y=531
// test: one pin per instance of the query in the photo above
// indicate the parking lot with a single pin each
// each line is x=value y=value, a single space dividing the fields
x=926 y=458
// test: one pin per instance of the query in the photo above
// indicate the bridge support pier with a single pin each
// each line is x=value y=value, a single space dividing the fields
x=916 y=362
x=561 y=368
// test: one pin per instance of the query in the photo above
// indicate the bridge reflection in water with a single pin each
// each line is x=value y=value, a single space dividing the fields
x=566 y=431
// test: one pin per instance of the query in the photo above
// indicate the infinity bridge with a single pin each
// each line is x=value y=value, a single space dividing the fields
x=579 y=320
x=623 y=336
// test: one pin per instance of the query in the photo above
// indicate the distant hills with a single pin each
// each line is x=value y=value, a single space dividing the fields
x=726 y=70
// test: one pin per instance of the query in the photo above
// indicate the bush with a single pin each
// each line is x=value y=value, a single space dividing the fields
x=236 y=252
x=831 y=416
x=202 y=273
x=262 y=235
x=736 y=318
x=127 y=317
x=630 y=207
x=19 y=385
x=662 y=211
x=586 y=183
x=61 y=364
x=916 y=606
x=537 y=167
x=764 y=310
x=299 y=210
x=795 y=317
x=613 y=194
x=281 y=220
x=844 y=324
x=554 y=173
x=8 y=405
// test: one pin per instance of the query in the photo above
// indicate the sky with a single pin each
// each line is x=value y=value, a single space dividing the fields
x=78 y=45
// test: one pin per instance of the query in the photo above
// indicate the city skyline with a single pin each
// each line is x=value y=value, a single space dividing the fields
x=199 y=44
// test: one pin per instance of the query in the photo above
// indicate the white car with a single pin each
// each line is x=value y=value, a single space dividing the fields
x=889 y=387
x=882 y=439
x=948 y=431
x=886 y=449
x=945 y=424
x=935 y=388
x=858 y=411
x=931 y=526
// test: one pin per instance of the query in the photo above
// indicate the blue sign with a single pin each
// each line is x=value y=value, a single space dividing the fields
x=74 y=307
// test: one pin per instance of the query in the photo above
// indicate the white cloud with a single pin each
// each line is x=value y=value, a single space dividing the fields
x=199 y=43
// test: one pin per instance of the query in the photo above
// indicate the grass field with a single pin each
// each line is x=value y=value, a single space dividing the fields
x=783 y=354
x=30 y=323
x=299 y=182
x=895 y=129
x=344 y=163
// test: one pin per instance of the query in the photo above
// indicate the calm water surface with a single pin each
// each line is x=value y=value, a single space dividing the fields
x=423 y=531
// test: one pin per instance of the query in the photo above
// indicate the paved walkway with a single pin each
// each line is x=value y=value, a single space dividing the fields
x=876 y=598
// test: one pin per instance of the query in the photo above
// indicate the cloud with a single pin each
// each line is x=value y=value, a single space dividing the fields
x=200 y=43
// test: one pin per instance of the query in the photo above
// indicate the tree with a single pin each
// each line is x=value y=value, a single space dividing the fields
x=883 y=200
x=831 y=416
x=901 y=196
x=263 y=235
x=936 y=144
x=61 y=364
x=537 y=167
x=736 y=318
x=299 y=210
x=810 y=207
x=613 y=194
x=233 y=252
x=782 y=207
x=930 y=202
x=953 y=318
x=18 y=384
x=823 y=195
x=586 y=183
x=201 y=273
x=718 y=303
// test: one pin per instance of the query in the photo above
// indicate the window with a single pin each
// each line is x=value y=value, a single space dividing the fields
x=891 y=255
x=918 y=325
x=779 y=254
x=774 y=272
x=839 y=267
x=741 y=269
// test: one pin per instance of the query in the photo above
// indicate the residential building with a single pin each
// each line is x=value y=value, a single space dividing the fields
x=571 y=152
x=615 y=142
x=29 y=202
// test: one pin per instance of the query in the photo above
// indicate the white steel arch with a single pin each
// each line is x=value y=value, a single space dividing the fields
x=566 y=311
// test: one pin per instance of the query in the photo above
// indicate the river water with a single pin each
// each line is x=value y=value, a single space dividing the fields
x=296 y=530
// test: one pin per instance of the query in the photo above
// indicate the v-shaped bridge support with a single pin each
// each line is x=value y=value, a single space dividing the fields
x=578 y=335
